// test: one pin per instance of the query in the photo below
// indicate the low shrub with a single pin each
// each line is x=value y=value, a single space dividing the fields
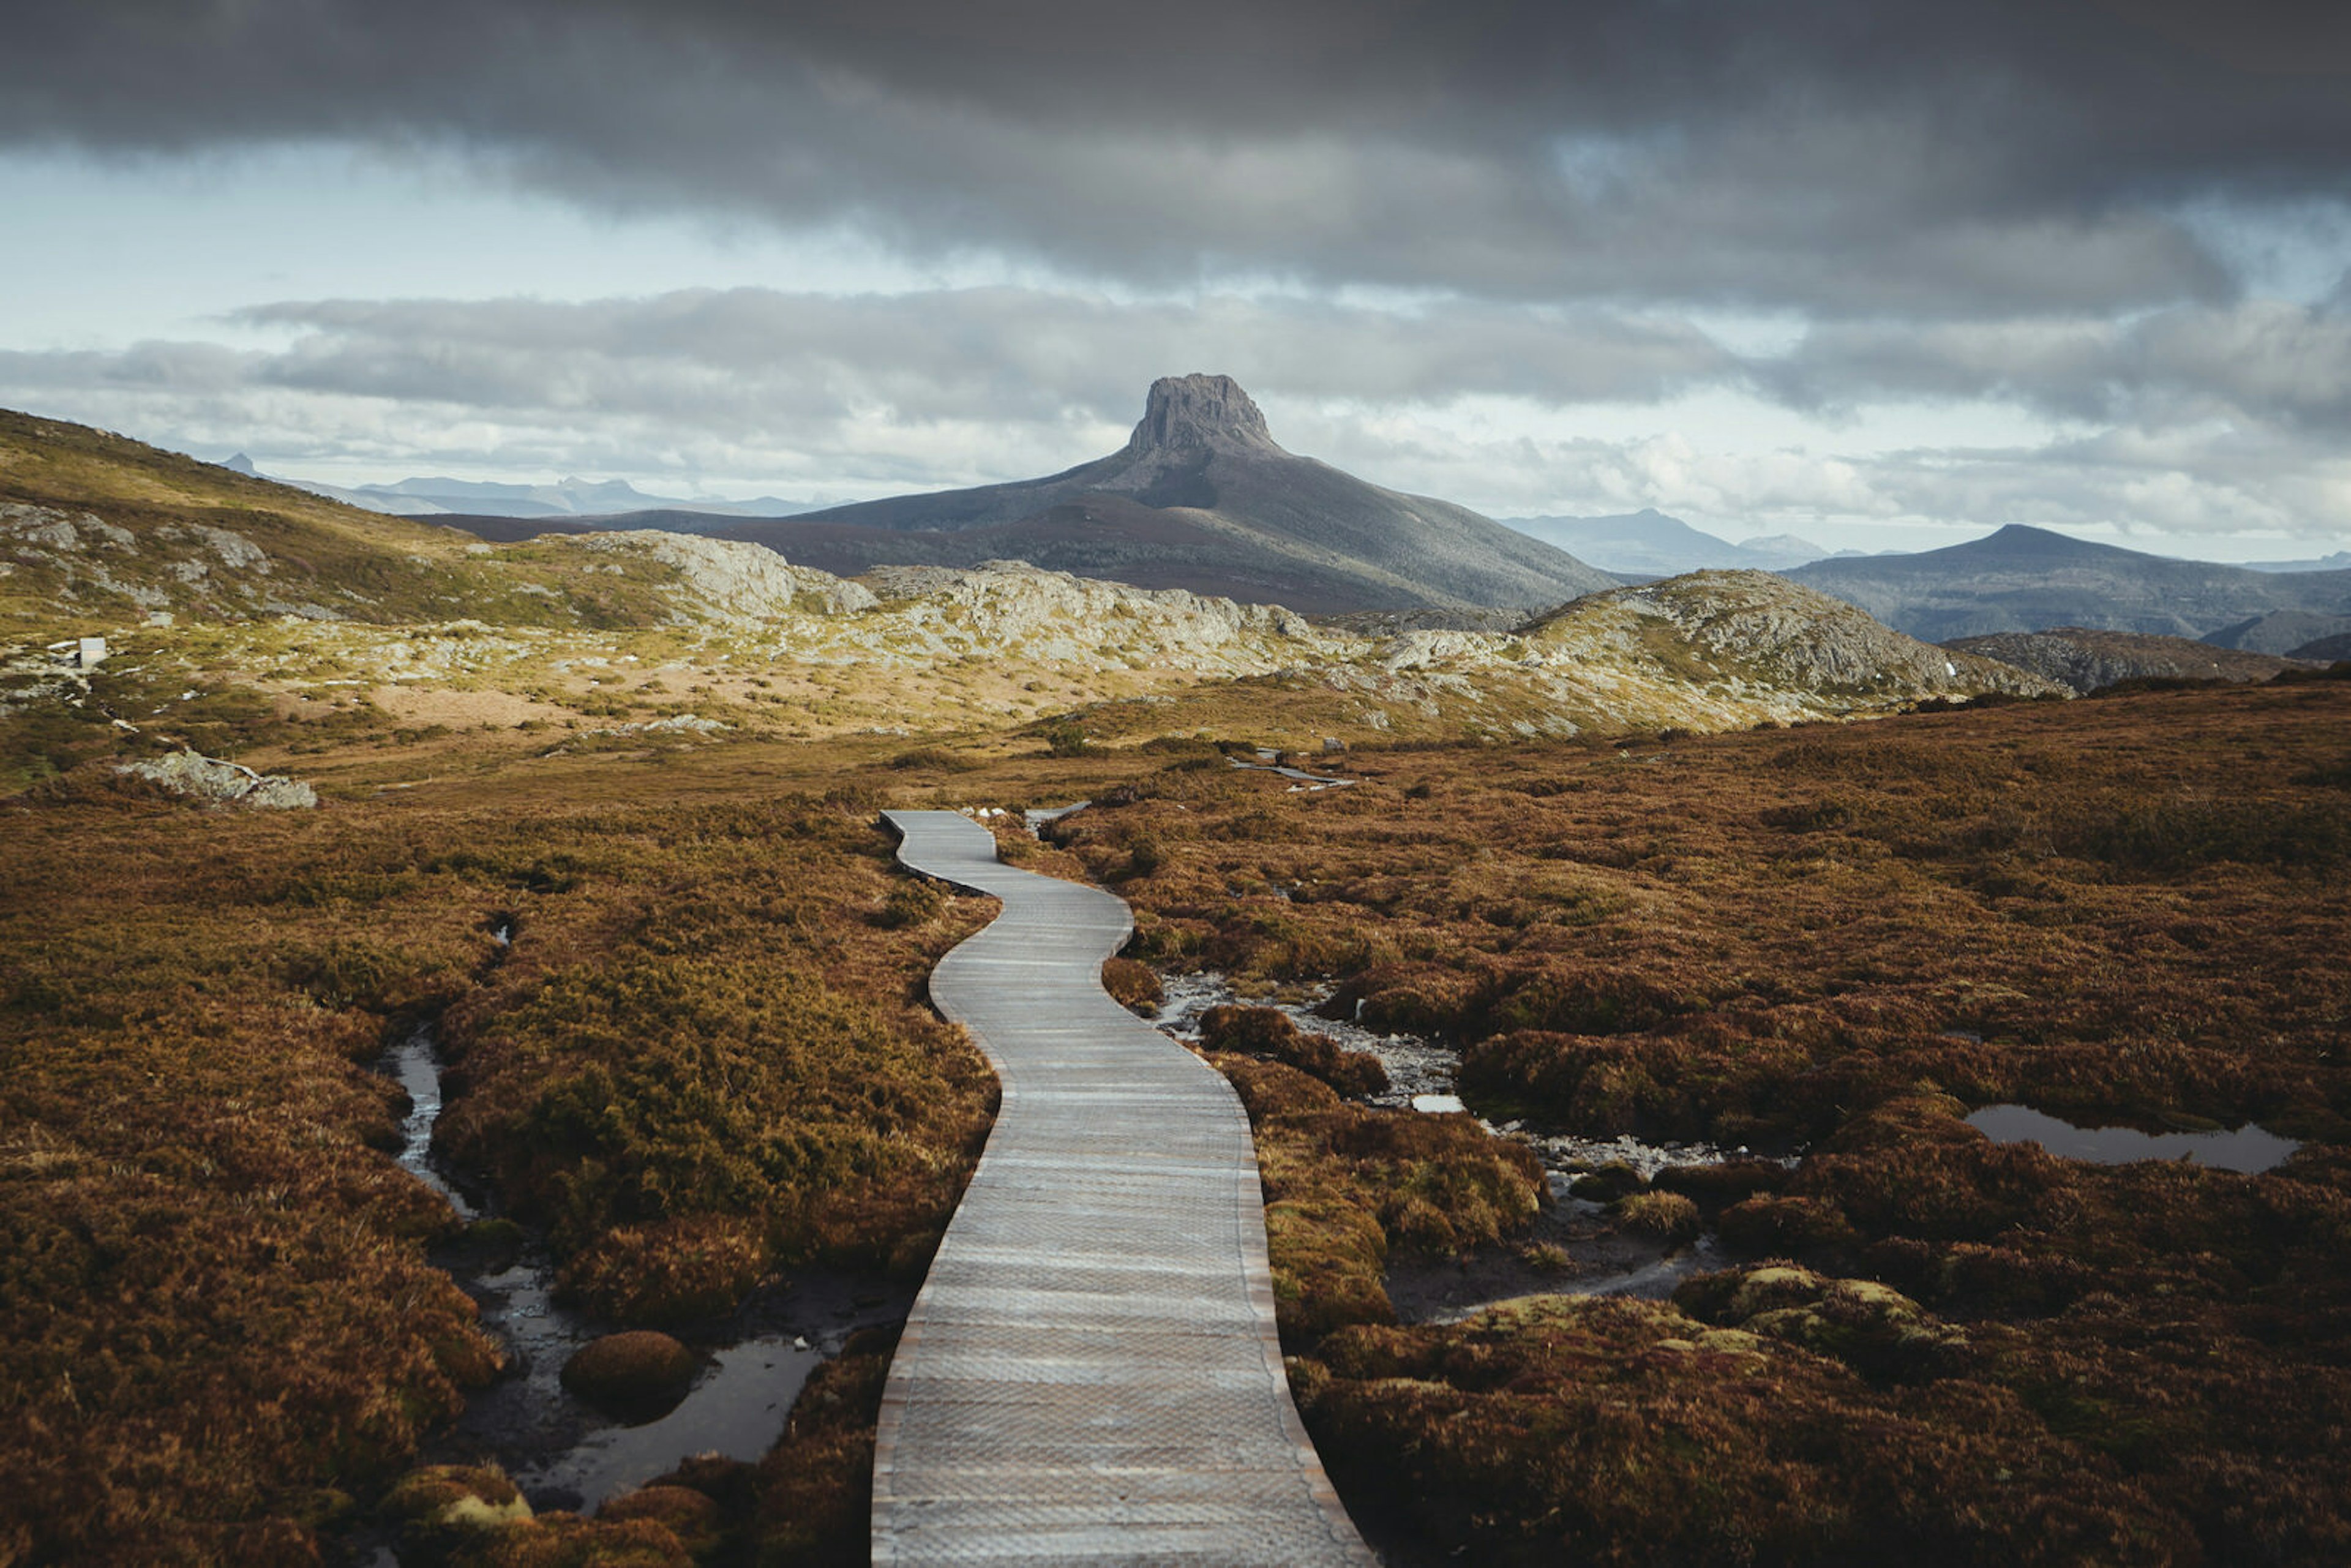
x=629 y=1371
x=1269 y=1033
x=1133 y=986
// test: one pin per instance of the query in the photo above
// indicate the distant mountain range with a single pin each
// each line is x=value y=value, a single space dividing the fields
x=2339 y=562
x=1648 y=543
x=2296 y=634
x=567 y=497
x=2025 y=579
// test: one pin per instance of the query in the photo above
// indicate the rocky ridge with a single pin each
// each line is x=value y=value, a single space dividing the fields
x=322 y=610
x=2084 y=660
x=720 y=580
x=1754 y=630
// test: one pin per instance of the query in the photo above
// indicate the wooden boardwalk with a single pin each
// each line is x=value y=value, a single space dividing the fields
x=1091 y=1373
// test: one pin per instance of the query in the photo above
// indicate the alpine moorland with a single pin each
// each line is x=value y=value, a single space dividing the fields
x=1723 y=906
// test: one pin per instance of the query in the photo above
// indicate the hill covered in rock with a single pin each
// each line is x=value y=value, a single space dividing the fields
x=2024 y=578
x=1740 y=631
x=245 y=621
x=2086 y=661
x=1202 y=497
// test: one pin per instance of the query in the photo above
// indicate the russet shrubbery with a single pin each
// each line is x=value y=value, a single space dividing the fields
x=1343 y=1183
x=727 y=1070
x=1828 y=944
x=700 y=1058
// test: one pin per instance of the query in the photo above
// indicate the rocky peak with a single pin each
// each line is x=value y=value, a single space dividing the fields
x=1197 y=411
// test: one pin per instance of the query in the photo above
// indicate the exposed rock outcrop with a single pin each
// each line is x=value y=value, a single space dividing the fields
x=731 y=583
x=1196 y=412
x=213 y=781
x=1755 y=631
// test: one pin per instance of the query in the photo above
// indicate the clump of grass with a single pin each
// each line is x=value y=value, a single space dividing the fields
x=1269 y=1033
x=1133 y=985
x=915 y=902
x=1064 y=738
x=1344 y=1182
x=1664 y=1213
x=1549 y=1256
x=931 y=760
x=636 y=1368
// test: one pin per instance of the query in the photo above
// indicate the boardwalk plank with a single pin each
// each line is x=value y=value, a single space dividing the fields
x=1092 y=1374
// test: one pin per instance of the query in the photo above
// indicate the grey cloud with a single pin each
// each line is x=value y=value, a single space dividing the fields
x=1840 y=155
x=887 y=392
x=1007 y=354
x=2265 y=361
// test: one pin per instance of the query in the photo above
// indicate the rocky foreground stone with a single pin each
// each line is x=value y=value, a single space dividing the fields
x=214 y=781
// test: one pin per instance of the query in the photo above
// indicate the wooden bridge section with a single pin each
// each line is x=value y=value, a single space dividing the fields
x=1091 y=1373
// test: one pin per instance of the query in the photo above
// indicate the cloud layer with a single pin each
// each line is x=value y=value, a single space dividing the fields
x=2203 y=420
x=1842 y=156
x=1445 y=243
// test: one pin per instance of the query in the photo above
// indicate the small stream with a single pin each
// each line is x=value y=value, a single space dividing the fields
x=562 y=1452
x=1306 y=782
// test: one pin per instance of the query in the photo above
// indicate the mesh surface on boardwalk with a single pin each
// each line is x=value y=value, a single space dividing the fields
x=1091 y=1373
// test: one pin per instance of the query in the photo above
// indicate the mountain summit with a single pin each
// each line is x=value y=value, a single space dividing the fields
x=1188 y=413
x=1202 y=497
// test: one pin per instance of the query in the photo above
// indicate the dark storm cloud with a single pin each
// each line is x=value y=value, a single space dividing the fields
x=1842 y=156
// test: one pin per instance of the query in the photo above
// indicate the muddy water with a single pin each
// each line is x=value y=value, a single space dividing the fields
x=561 y=1452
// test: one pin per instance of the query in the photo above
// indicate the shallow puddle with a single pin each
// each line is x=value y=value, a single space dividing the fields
x=2249 y=1149
x=1416 y=1068
x=738 y=1408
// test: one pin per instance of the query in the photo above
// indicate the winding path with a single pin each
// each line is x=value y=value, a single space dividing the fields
x=1091 y=1373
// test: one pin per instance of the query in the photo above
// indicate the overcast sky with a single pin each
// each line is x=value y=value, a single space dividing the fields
x=1882 y=275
